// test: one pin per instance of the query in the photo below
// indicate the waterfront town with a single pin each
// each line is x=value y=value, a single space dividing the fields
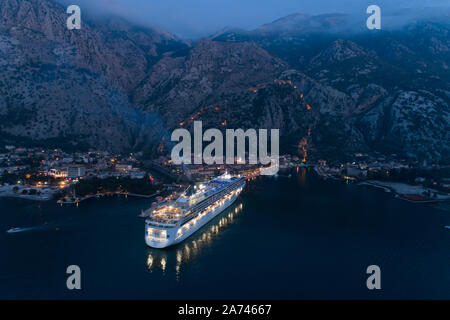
x=43 y=174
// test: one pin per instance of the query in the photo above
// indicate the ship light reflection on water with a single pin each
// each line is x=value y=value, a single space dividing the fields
x=184 y=253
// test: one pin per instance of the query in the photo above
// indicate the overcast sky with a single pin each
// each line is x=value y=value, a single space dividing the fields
x=195 y=18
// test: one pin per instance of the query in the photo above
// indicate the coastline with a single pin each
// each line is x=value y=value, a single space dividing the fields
x=26 y=197
x=407 y=192
x=47 y=196
x=7 y=192
x=107 y=194
x=400 y=190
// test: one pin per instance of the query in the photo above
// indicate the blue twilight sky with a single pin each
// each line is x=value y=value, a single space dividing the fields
x=196 y=18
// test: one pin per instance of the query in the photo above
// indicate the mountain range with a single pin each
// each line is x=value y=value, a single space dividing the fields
x=335 y=88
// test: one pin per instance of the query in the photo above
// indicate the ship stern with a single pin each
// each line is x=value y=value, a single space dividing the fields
x=159 y=237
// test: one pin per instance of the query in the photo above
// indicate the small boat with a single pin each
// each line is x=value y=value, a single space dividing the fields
x=13 y=230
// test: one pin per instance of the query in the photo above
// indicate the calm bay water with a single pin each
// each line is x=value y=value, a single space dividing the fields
x=284 y=238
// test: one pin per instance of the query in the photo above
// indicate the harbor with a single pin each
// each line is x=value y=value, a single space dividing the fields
x=289 y=237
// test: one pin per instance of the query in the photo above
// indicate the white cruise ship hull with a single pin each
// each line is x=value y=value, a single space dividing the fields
x=175 y=238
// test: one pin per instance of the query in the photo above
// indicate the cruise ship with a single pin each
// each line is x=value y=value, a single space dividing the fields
x=172 y=222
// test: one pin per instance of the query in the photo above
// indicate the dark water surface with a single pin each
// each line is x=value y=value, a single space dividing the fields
x=294 y=238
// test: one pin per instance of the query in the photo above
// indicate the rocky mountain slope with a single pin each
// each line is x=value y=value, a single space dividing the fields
x=397 y=82
x=72 y=87
x=115 y=86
